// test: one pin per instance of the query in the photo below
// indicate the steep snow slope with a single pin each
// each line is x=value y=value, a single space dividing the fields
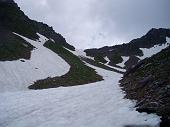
x=154 y=50
x=18 y=75
x=93 y=105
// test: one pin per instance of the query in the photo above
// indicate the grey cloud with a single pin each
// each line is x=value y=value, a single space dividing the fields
x=95 y=23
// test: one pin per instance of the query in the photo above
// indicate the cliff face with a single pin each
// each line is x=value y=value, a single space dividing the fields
x=14 y=20
x=148 y=82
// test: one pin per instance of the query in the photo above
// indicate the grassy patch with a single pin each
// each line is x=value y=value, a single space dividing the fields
x=100 y=58
x=79 y=73
x=115 y=59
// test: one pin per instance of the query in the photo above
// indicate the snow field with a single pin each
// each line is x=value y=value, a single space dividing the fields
x=92 y=105
x=18 y=75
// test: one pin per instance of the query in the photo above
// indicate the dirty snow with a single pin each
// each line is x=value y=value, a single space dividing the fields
x=99 y=104
x=17 y=75
x=154 y=50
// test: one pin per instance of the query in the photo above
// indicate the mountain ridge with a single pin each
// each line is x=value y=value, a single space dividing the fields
x=14 y=19
x=131 y=49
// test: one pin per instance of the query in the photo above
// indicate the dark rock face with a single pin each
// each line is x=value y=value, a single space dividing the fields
x=114 y=59
x=7 y=1
x=133 y=60
x=132 y=49
x=99 y=58
x=148 y=82
x=14 y=20
x=13 y=47
x=153 y=37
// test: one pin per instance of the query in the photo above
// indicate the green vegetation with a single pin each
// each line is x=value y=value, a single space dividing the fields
x=78 y=74
x=13 y=47
x=115 y=59
x=100 y=58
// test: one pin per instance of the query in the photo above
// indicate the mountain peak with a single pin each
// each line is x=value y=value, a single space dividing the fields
x=159 y=32
x=133 y=49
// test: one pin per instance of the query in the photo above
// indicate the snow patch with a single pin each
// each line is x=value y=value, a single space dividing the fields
x=79 y=52
x=119 y=69
x=52 y=40
x=125 y=58
x=41 y=39
x=107 y=59
x=19 y=74
x=154 y=50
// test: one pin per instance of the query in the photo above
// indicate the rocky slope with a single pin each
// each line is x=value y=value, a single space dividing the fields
x=13 y=47
x=148 y=82
x=132 y=50
x=12 y=19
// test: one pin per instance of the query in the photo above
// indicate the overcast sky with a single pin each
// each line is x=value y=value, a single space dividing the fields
x=96 y=23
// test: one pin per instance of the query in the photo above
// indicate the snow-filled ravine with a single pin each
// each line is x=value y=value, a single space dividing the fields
x=99 y=104
x=17 y=75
